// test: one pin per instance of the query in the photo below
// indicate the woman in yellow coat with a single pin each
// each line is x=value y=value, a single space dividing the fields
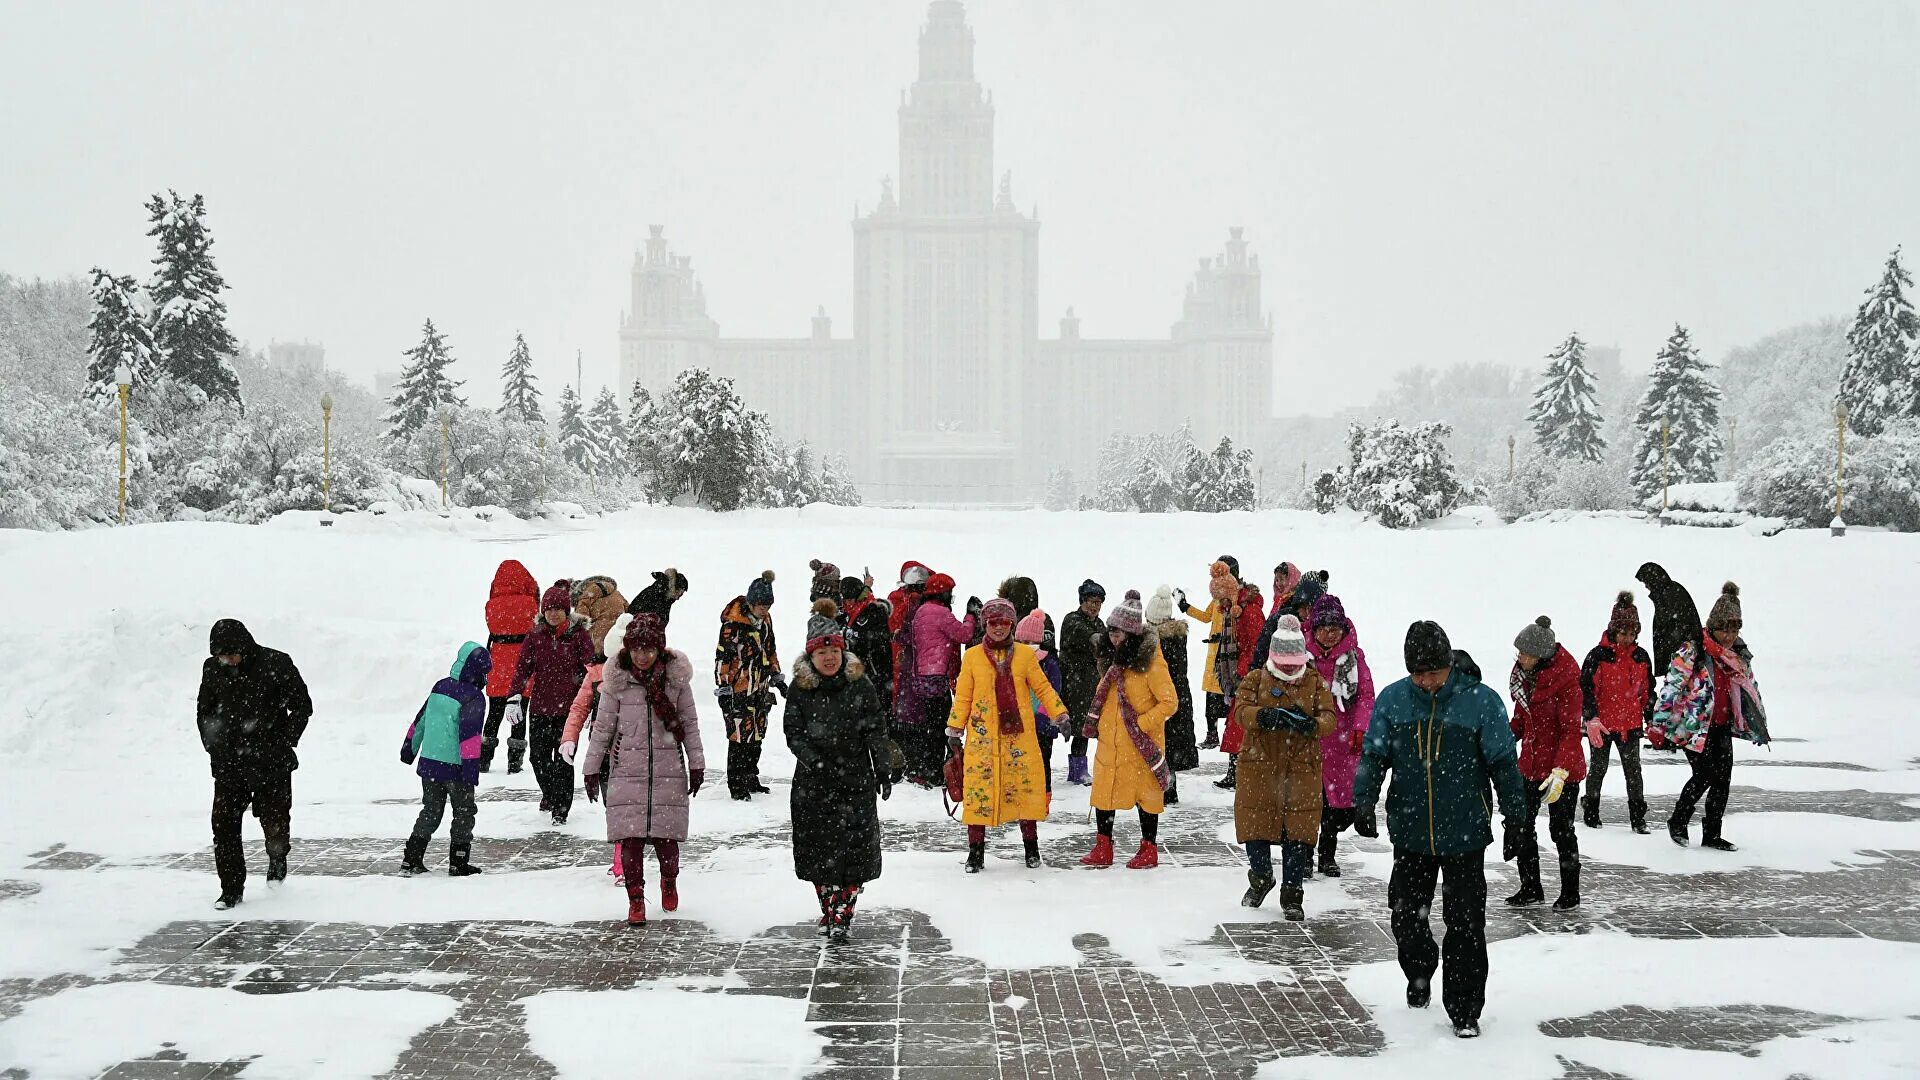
x=1131 y=707
x=1006 y=779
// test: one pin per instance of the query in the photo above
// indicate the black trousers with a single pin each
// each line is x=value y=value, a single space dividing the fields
x=1149 y=825
x=1216 y=712
x=434 y=796
x=1463 y=907
x=490 y=737
x=1712 y=774
x=271 y=797
x=1559 y=826
x=923 y=746
x=553 y=773
x=1046 y=758
x=1332 y=823
x=743 y=767
x=1628 y=744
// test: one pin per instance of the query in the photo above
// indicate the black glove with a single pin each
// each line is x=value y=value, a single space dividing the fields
x=973 y=606
x=1511 y=840
x=593 y=787
x=1180 y=600
x=1272 y=719
x=886 y=790
x=955 y=744
x=1364 y=824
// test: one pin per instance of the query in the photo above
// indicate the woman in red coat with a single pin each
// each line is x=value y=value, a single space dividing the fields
x=1546 y=719
x=512 y=605
x=1616 y=682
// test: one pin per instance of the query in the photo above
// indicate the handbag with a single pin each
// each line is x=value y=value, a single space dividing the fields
x=955 y=774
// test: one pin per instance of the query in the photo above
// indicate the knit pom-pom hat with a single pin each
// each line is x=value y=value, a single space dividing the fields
x=1625 y=616
x=1032 y=629
x=1289 y=648
x=999 y=610
x=1536 y=639
x=1726 y=610
x=1160 y=606
x=1128 y=617
x=823 y=626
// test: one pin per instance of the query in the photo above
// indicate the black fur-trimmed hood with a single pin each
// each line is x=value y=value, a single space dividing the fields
x=1136 y=654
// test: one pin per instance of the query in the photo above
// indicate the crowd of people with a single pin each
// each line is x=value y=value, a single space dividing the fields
x=903 y=690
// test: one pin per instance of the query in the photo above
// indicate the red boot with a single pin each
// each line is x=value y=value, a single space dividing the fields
x=670 y=894
x=1102 y=853
x=1147 y=858
x=636 y=908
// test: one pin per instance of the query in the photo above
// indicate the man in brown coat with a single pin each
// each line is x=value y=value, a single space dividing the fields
x=1284 y=709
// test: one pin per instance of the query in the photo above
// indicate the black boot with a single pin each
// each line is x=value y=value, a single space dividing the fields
x=458 y=864
x=1033 y=852
x=516 y=755
x=1293 y=902
x=1227 y=782
x=1637 y=814
x=1590 y=813
x=1677 y=829
x=976 y=857
x=276 y=868
x=228 y=901
x=1419 y=993
x=1258 y=886
x=1528 y=865
x=1213 y=736
x=1569 y=884
x=1717 y=843
x=413 y=861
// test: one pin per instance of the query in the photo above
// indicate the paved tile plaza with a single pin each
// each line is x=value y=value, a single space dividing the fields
x=898 y=1001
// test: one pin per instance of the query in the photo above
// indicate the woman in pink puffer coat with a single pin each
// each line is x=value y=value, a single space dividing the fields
x=1336 y=653
x=646 y=738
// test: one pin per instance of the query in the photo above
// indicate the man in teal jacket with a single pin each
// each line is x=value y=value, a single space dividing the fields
x=1444 y=736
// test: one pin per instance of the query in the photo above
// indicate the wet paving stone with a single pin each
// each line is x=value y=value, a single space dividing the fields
x=898 y=1002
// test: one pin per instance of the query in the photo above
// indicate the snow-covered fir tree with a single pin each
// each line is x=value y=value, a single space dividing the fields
x=1061 y=492
x=1566 y=413
x=608 y=431
x=709 y=443
x=118 y=335
x=1401 y=475
x=576 y=439
x=835 y=486
x=189 y=321
x=519 y=396
x=1229 y=483
x=1881 y=382
x=1682 y=396
x=424 y=387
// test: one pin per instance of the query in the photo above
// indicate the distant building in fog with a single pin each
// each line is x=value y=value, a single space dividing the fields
x=302 y=356
x=384 y=383
x=945 y=392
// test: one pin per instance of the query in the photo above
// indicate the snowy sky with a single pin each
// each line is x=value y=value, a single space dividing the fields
x=1424 y=183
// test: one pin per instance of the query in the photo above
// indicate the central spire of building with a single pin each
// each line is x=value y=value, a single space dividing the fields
x=946 y=124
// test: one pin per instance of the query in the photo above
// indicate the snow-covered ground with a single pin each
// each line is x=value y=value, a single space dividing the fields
x=98 y=752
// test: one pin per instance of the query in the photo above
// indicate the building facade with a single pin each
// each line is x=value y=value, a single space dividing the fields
x=959 y=400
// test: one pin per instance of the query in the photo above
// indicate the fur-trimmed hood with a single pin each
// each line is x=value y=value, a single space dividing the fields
x=1136 y=654
x=805 y=678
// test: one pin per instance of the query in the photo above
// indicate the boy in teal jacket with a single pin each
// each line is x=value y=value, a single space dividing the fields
x=446 y=739
x=1443 y=735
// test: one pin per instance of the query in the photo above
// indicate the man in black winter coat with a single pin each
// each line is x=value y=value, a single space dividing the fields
x=1676 y=621
x=253 y=709
x=668 y=587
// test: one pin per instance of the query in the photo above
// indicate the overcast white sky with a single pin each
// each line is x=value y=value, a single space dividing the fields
x=1425 y=183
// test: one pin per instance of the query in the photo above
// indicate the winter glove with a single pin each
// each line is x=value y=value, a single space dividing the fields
x=1180 y=600
x=567 y=749
x=1553 y=785
x=1355 y=739
x=593 y=787
x=1510 y=840
x=1090 y=729
x=779 y=682
x=1656 y=738
x=1364 y=824
x=886 y=790
x=954 y=743
x=695 y=777
x=1596 y=734
x=516 y=714
x=973 y=608
x=725 y=694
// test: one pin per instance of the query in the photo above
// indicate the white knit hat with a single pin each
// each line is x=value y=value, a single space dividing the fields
x=617 y=637
x=1160 y=606
x=1289 y=648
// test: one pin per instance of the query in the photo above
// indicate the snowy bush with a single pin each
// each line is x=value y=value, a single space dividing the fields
x=1791 y=478
x=1883 y=478
x=1794 y=479
x=1158 y=474
x=1400 y=475
x=58 y=468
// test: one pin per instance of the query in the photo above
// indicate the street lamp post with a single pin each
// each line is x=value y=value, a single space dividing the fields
x=123 y=378
x=446 y=451
x=326 y=452
x=1511 y=443
x=1839 y=525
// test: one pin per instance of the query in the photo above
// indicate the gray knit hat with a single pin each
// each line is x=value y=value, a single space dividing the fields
x=1129 y=616
x=1726 y=610
x=1536 y=639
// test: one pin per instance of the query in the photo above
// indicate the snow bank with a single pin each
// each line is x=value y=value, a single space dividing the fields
x=83 y=1032
x=1722 y=496
x=672 y=1032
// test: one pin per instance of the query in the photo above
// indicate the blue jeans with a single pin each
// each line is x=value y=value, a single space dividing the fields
x=1294 y=857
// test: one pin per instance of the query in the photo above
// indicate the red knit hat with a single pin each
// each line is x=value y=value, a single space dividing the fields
x=558 y=595
x=940 y=584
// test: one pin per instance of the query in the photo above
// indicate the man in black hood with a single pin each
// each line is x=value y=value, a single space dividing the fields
x=1676 y=621
x=668 y=587
x=253 y=708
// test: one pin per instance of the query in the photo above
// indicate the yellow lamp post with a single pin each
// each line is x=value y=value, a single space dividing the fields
x=1839 y=525
x=446 y=450
x=123 y=378
x=326 y=452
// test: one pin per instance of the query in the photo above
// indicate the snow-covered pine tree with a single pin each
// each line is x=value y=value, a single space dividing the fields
x=1230 y=483
x=642 y=433
x=710 y=443
x=424 y=387
x=1679 y=392
x=576 y=440
x=1881 y=382
x=1061 y=493
x=189 y=320
x=1400 y=475
x=119 y=335
x=835 y=487
x=609 y=431
x=519 y=397
x=1566 y=413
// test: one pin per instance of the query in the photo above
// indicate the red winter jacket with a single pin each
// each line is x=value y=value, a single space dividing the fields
x=556 y=664
x=1247 y=631
x=1548 y=725
x=1617 y=690
x=512 y=605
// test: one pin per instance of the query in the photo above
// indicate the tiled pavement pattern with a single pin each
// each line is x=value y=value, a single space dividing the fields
x=897 y=1002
